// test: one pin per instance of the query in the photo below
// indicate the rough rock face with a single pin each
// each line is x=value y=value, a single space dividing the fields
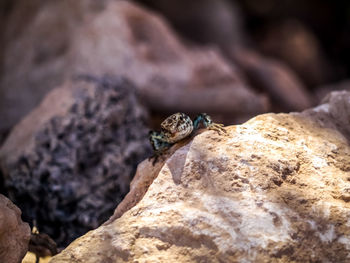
x=14 y=233
x=69 y=162
x=275 y=189
x=113 y=37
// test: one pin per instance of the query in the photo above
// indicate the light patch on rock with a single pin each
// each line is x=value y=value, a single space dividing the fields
x=251 y=220
x=346 y=241
x=324 y=207
x=318 y=162
x=322 y=108
x=329 y=235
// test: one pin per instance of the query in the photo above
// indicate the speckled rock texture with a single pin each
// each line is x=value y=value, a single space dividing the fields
x=275 y=189
x=14 y=233
x=69 y=162
x=118 y=38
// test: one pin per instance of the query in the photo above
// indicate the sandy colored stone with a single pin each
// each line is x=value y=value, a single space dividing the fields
x=14 y=233
x=275 y=189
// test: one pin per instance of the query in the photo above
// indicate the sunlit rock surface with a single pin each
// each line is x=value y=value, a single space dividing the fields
x=275 y=189
x=14 y=233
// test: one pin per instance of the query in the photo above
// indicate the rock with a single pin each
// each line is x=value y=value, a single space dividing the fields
x=71 y=160
x=207 y=21
x=14 y=233
x=118 y=38
x=218 y=23
x=323 y=91
x=327 y=23
x=333 y=112
x=294 y=43
x=285 y=89
x=42 y=245
x=275 y=189
x=170 y=76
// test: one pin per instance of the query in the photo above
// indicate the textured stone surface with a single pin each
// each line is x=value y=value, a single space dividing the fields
x=113 y=37
x=275 y=189
x=14 y=233
x=70 y=161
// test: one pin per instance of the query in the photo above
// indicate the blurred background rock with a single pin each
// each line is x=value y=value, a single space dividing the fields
x=231 y=59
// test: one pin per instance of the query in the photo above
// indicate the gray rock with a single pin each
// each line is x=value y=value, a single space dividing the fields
x=71 y=160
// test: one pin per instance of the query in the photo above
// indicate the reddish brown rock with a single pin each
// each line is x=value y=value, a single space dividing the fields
x=218 y=23
x=206 y=21
x=285 y=89
x=119 y=38
x=293 y=43
x=14 y=233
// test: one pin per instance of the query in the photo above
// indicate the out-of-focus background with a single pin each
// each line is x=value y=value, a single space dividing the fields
x=83 y=81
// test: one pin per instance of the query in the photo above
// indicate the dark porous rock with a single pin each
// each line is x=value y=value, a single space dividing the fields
x=69 y=171
x=14 y=233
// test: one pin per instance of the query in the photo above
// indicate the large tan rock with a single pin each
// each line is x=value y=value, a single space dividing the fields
x=14 y=233
x=275 y=189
